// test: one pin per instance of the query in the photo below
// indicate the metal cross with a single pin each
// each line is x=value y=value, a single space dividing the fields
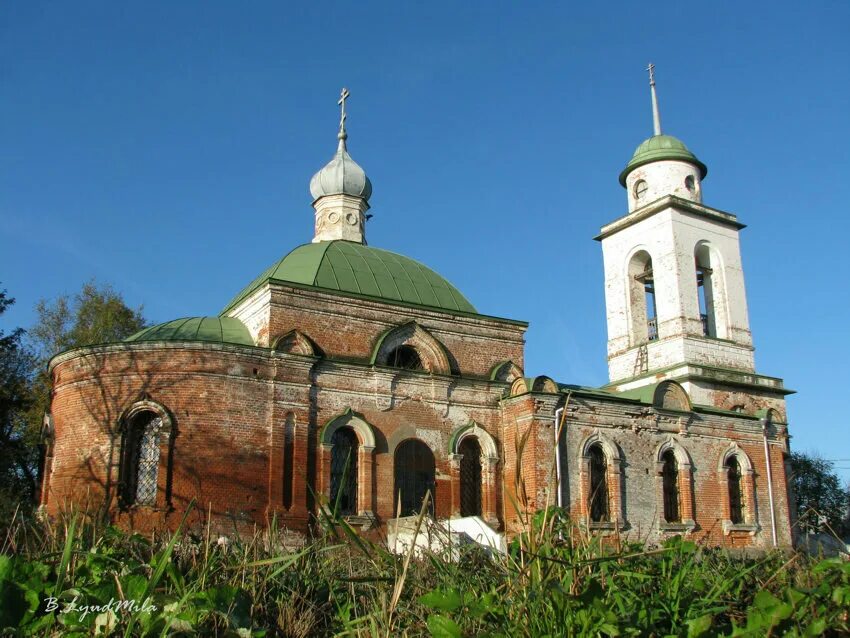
x=651 y=69
x=344 y=94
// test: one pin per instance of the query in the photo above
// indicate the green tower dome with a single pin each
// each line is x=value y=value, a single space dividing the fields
x=362 y=271
x=661 y=147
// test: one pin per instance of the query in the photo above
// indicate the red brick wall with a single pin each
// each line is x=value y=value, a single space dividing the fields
x=349 y=328
x=229 y=407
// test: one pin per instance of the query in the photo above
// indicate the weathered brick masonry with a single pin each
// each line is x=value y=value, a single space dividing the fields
x=347 y=376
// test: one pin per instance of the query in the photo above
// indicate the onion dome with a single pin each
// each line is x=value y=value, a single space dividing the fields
x=661 y=147
x=342 y=175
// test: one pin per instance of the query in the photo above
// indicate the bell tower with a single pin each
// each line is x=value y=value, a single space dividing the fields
x=674 y=282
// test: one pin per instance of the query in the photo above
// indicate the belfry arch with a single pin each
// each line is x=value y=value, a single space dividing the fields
x=711 y=291
x=642 y=304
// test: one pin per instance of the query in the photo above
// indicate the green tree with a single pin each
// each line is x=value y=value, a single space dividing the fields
x=18 y=448
x=821 y=499
x=96 y=314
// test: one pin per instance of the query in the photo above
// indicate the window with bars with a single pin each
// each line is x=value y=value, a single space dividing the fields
x=736 y=491
x=670 y=483
x=141 y=459
x=470 y=477
x=415 y=470
x=344 y=471
x=406 y=357
x=598 y=500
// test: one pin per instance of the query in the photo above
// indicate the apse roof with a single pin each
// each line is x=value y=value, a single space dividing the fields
x=212 y=329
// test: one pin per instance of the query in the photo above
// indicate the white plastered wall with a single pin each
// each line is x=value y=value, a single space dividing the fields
x=665 y=177
x=671 y=236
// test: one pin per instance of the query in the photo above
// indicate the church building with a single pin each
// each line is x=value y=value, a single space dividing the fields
x=348 y=376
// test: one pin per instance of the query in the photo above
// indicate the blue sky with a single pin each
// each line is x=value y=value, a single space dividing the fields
x=166 y=148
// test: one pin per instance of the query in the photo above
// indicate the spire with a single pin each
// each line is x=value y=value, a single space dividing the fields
x=656 y=116
x=342 y=135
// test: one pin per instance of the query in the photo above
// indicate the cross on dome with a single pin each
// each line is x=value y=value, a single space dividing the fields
x=343 y=96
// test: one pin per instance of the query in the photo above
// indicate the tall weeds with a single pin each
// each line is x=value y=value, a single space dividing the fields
x=555 y=580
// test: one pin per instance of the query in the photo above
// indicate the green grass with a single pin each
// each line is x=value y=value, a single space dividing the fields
x=555 y=581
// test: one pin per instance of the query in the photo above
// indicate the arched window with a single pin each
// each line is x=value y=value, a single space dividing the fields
x=140 y=459
x=415 y=470
x=642 y=298
x=470 y=477
x=598 y=497
x=670 y=481
x=736 y=491
x=405 y=357
x=344 y=471
x=410 y=346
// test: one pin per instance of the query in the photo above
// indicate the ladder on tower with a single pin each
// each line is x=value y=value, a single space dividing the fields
x=641 y=361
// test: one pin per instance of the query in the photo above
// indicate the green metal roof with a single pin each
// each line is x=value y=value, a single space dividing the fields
x=214 y=329
x=349 y=267
x=661 y=147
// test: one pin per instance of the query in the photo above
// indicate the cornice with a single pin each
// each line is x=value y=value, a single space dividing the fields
x=665 y=203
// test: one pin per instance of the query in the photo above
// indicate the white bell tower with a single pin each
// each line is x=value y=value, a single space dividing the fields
x=674 y=281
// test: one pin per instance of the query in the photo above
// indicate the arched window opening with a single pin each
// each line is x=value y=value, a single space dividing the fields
x=670 y=481
x=288 y=459
x=470 y=477
x=598 y=498
x=736 y=491
x=141 y=459
x=344 y=471
x=642 y=294
x=415 y=470
x=405 y=357
x=706 y=293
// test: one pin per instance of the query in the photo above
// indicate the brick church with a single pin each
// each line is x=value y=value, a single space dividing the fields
x=350 y=376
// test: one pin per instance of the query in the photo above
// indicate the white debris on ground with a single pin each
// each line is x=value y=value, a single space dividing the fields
x=442 y=537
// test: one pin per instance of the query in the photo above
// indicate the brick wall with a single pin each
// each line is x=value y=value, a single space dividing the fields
x=234 y=409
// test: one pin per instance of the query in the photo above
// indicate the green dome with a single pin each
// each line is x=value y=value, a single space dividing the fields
x=353 y=268
x=661 y=147
x=213 y=329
